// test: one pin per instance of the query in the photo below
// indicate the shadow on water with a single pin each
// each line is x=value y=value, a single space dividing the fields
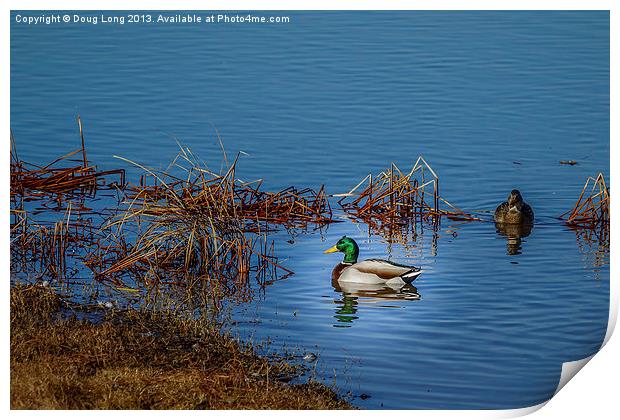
x=356 y=294
x=513 y=234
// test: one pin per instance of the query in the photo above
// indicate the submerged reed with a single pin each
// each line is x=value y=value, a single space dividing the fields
x=43 y=248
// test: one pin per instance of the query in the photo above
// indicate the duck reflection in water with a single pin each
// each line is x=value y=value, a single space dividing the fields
x=354 y=294
x=513 y=234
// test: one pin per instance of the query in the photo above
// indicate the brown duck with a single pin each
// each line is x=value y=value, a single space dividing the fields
x=514 y=211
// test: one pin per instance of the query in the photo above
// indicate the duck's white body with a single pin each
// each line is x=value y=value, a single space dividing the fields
x=375 y=271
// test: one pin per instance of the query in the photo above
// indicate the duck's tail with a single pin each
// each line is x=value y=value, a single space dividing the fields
x=411 y=275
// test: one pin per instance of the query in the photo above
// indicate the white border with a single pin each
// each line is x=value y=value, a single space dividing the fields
x=592 y=395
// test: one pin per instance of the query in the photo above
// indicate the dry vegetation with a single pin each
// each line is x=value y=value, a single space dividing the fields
x=62 y=188
x=202 y=235
x=138 y=360
x=49 y=181
x=589 y=218
x=48 y=249
x=202 y=231
x=592 y=207
x=394 y=200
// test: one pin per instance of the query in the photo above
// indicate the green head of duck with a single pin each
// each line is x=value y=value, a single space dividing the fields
x=347 y=246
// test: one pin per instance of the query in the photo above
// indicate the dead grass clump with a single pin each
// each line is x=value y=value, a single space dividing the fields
x=592 y=207
x=45 y=181
x=141 y=360
x=33 y=306
x=223 y=197
x=42 y=181
x=395 y=199
x=201 y=230
x=290 y=207
x=589 y=219
x=40 y=246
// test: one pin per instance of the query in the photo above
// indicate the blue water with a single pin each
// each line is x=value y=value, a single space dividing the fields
x=492 y=100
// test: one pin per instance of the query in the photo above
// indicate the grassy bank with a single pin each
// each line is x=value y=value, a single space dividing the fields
x=140 y=360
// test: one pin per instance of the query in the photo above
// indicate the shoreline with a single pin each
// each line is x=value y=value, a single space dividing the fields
x=138 y=359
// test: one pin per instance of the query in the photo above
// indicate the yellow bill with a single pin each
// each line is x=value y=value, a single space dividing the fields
x=330 y=250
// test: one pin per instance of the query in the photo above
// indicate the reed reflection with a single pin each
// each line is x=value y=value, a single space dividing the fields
x=593 y=244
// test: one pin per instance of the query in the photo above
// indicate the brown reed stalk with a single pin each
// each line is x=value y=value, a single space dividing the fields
x=394 y=199
x=592 y=207
x=84 y=160
x=201 y=230
x=47 y=180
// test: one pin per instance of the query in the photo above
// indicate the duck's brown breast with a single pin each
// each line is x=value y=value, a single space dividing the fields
x=337 y=271
x=504 y=215
x=500 y=212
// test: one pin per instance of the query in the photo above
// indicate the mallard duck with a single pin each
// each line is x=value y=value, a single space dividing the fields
x=514 y=211
x=372 y=271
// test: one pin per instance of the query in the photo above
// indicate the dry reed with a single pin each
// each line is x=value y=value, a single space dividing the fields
x=592 y=207
x=589 y=219
x=43 y=248
x=202 y=230
x=45 y=181
x=395 y=199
